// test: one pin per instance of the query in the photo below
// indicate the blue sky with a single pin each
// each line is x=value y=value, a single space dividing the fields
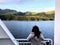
x=28 y=5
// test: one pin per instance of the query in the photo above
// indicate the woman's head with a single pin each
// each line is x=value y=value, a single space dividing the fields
x=36 y=31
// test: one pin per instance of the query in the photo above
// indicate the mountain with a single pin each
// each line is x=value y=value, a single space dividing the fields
x=7 y=11
x=8 y=14
x=19 y=14
x=14 y=12
x=51 y=12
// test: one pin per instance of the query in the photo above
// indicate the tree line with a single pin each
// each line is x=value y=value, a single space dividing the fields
x=14 y=15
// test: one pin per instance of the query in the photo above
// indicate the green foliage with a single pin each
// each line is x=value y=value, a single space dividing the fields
x=14 y=15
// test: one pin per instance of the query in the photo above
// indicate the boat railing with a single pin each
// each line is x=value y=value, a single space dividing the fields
x=46 y=41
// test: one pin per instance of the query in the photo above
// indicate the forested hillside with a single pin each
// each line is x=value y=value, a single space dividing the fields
x=8 y=14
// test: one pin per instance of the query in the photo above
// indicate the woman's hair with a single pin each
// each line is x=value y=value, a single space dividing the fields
x=36 y=31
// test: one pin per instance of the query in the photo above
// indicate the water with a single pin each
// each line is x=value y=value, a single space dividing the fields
x=21 y=29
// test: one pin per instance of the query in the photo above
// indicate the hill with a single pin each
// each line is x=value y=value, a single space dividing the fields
x=8 y=14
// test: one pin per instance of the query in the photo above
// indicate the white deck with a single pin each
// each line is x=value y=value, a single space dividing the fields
x=6 y=38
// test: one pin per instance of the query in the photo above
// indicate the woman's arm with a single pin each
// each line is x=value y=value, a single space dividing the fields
x=42 y=37
x=31 y=35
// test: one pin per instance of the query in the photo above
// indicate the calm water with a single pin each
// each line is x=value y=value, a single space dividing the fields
x=21 y=29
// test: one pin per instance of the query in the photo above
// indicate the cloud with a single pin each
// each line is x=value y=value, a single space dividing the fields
x=14 y=1
x=2 y=1
x=49 y=9
x=9 y=1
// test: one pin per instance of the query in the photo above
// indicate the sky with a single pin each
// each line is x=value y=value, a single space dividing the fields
x=28 y=5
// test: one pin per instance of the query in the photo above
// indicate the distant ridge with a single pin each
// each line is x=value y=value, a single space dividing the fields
x=8 y=14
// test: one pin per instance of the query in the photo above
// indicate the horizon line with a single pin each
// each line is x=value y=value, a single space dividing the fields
x=27 y=10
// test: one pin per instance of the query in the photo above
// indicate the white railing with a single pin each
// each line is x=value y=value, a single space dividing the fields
x=25 y=42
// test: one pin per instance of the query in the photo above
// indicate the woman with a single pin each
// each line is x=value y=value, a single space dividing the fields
x=35 y=36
